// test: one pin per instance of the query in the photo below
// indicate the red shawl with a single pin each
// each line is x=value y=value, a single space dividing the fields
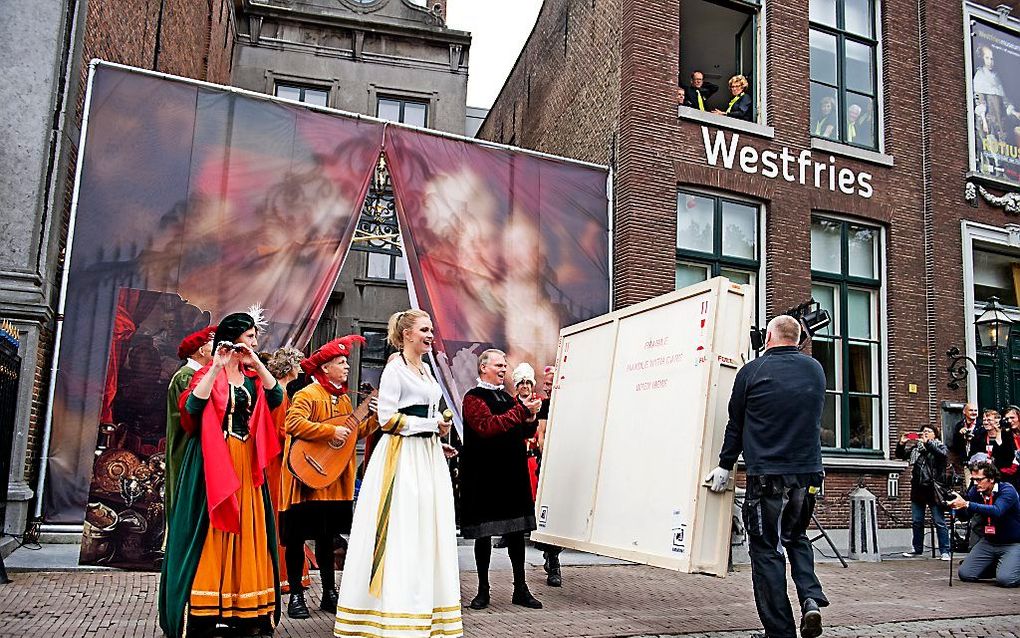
x=221 y=482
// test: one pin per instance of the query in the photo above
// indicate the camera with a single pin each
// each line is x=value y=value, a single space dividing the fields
x=236 y=347
x=812 y=318
x=947 y=492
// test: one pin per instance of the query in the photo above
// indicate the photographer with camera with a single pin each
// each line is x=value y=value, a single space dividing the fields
x=997 y=507
x=927 y=455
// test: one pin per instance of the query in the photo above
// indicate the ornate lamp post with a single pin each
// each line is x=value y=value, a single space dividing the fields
x=993 y=328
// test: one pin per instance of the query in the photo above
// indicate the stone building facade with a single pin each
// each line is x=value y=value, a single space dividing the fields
x=391 y=58
x=848 y=185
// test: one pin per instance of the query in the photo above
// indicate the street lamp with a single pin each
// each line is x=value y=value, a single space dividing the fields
x=993 y=326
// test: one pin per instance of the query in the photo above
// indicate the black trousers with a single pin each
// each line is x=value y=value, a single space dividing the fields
x=776 y=512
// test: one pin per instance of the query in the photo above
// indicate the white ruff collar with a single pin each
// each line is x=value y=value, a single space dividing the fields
x=489 y=386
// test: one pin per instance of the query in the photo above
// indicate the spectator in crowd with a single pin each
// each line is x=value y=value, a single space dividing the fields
x=927 y=454
x=681 y=96
x=699 y=91
x=977 y=444
x=996 y=445
x=740 y=104
x=859 y=127
x=1010 y=468
x=997 y=508
x=825 y=125
x=963 y=434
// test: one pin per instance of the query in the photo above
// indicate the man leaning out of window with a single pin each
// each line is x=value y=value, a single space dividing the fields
x=997 y=509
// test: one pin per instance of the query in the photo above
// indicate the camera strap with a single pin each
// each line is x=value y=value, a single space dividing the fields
x=989 y=525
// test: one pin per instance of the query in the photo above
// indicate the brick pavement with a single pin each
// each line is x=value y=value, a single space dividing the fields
x=886 y=599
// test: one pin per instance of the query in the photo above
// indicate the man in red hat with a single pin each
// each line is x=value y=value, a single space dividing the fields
x=196 y=351
x=319 y=514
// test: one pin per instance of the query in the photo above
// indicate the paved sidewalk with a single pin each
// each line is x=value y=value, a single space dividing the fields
x=907 y=598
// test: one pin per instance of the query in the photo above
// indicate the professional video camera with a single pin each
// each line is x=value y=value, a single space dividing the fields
x=812 y=318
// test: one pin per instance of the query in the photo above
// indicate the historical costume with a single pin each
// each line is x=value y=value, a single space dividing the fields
x=284 y=364
x=318 y=514
x=401 y=577
x=496 y=495
x=221 y=559
x=175 y=435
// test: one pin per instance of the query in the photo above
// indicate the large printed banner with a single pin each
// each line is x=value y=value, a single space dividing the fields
x=195 y=202
x=219 y=199
x=504 y=248
x=995 y=55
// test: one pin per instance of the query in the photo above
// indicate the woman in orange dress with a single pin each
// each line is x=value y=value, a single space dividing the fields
x=221 y=564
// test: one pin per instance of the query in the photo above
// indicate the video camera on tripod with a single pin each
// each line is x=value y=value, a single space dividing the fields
x=812 y=318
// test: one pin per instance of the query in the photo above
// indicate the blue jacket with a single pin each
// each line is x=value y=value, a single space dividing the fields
x=1004 y=513
x=776 y=414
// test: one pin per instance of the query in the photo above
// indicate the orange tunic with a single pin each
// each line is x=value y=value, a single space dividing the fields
x=274 y=481
x=311 y=406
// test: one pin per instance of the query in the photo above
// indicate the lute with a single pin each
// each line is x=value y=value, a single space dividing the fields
x=317 y=464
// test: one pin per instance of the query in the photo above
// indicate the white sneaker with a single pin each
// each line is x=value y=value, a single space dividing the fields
x=912 y=554
x=945 y=557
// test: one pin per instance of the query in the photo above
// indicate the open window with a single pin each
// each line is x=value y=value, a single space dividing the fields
x=719 y=39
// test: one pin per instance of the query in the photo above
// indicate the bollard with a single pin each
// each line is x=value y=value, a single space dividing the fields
x=864 y=526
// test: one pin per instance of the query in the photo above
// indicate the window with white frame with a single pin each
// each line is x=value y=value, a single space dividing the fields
x=316 y=95
x=716 y=236
x=844 y=77
x=846 y=280
x=719 y=40
x=403 y=111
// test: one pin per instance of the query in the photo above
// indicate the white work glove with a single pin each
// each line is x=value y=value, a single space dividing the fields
x=717 y=479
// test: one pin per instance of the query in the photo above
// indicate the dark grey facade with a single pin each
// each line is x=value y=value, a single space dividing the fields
x=393 y=59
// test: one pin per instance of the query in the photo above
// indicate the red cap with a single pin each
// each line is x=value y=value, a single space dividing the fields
x=194 y=341
x=340 y=347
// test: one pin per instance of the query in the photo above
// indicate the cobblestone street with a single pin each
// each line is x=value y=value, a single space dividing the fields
x=892 y=598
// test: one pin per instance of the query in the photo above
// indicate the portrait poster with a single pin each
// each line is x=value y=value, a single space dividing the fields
x=995 y=101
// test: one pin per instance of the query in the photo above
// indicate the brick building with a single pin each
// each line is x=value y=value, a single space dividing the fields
x=848 y=184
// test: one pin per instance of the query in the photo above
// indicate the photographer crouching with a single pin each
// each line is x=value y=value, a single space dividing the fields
x=998 y=506
x=927 y=454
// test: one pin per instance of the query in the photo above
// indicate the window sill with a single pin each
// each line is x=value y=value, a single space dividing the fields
x=863 y=463
x=845 y=150
x=389 y=283
x=725 y=121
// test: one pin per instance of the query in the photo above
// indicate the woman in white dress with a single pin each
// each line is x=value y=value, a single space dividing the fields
x=401 y=579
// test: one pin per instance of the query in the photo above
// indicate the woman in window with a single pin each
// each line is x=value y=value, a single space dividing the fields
x=221 y=561
x=825 y=125
x=740 y=104
x=401 y=572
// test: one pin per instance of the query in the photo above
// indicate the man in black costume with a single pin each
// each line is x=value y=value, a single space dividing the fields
x=495 y=486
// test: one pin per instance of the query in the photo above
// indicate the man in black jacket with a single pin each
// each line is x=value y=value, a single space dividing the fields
x=698 y=93
x=775 y=415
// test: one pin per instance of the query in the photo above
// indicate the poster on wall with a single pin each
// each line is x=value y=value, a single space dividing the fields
x=124 y=518
x=995 y=101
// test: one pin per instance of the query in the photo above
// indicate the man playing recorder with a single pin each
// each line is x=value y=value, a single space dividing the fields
x=775 y=413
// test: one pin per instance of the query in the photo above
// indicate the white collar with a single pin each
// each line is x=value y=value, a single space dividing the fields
x=489 y=386
x=314 y=380
x=194 y=365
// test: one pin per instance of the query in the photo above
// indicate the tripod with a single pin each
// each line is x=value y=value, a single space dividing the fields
x=823 y=534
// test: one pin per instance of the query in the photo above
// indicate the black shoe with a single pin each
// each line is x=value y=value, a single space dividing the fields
x=523 y=597
x=329 y=600
x=554 y=579
x=810 y=620
x=296 y=608
x=481 y=601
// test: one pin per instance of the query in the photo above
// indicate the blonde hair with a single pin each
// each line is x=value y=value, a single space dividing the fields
x=738 y=79
x=284 y=361
x=401 y=321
